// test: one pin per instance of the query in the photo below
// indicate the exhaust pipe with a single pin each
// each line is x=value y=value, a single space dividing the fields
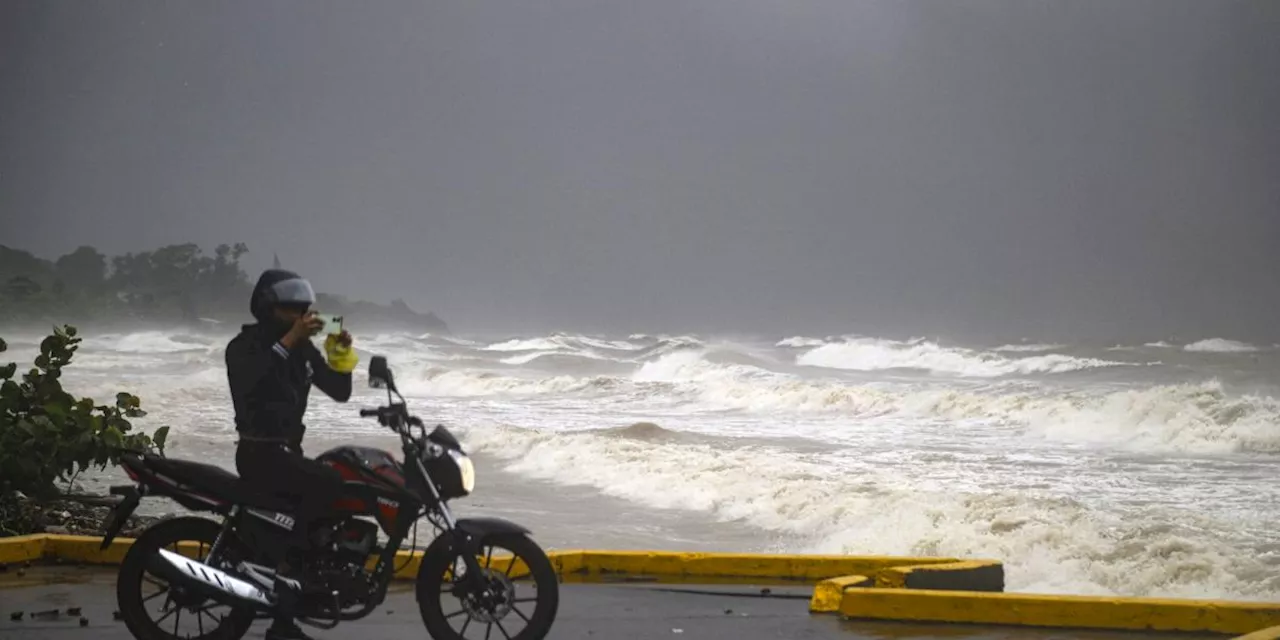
x=211 y=582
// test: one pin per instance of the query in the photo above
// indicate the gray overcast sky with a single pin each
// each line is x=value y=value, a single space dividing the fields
x=1073 y=168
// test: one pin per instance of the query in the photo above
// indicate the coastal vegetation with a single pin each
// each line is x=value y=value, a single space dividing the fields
x=173 y=284
x=48 y=437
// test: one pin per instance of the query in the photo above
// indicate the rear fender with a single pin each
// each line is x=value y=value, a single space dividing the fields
x=120 y=513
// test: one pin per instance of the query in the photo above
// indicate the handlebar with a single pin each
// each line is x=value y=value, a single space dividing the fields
x=385 y=415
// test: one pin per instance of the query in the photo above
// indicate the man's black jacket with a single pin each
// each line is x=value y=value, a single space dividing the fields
x=270 y=385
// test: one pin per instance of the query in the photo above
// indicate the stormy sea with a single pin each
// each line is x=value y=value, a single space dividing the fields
x=1143 y=469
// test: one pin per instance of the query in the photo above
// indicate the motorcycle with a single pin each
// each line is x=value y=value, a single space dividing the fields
x=347 y=571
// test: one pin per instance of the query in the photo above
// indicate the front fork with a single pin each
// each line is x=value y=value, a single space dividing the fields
x=474 y=581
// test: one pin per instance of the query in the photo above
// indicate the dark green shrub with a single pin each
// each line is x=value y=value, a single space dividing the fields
x=48 y=436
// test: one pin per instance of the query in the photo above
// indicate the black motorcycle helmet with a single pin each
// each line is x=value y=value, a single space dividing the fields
x=279 y=287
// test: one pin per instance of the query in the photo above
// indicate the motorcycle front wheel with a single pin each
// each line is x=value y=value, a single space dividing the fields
x=520 y=603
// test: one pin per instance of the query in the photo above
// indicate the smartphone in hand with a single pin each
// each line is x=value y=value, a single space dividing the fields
x=332 y=323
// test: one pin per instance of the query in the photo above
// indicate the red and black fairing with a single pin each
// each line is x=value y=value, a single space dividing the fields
x=375 y=483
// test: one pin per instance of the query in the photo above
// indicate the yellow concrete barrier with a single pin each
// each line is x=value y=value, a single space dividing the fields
x=407 y=564
x=969 y=575
x=730 y=567
x=972 y=575
x=828 y=594
x=1058 y=611
x=1270 y=633
x=85 y=549
x=21 y=549
x=572 y=565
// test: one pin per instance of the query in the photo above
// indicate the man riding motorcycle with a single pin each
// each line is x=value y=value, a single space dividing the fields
x=271 y=366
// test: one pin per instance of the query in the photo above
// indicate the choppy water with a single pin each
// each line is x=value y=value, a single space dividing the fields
x=1140 y=470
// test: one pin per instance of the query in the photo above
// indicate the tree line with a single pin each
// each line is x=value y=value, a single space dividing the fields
x=173 y=283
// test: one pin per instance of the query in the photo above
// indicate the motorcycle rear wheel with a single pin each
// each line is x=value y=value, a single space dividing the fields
x=134 y=575
x=436 y=581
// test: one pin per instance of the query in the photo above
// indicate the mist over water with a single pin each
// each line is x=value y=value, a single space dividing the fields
x=1142 y=469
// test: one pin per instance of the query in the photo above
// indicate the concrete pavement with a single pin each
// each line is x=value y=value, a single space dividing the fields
x=594 y=612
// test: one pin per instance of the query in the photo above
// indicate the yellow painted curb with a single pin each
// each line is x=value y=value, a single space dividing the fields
x=1270 y=633
x=572 y=565
x=1058 y=611
x=85 y=549
x=731 y=567
x=21 y=549
x=972 y=575
x=969 y=575
x=828 y=594
x=407 y=564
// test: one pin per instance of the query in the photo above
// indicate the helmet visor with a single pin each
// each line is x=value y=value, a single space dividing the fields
x=294 y=291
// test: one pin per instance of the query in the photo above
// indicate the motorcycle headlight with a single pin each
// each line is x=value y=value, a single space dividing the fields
x=466 y=470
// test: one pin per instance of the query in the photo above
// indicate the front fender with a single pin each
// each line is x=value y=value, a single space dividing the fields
x=481 y=527
x=469 y=534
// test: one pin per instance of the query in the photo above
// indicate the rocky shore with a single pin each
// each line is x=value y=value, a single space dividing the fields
x=81 y=515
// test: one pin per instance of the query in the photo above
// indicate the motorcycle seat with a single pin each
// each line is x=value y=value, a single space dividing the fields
x=218 y=483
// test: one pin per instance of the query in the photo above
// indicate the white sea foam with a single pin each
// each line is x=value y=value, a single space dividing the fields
x=150 y=342
x=1220 y=345
x=801 y=342
x=1028 y=348
x=870 y=354
x=439 y=381
x=1049 y=544
x=530 y=344
x=1200 y=418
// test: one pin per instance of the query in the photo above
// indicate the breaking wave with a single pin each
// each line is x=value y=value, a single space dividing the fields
x=1199 y=418
x=870 y=354
x=1193 y=417
x=526 y=358
x=440 y=381
x=152 y=342
x=1029 y=348
x=527 y=350
x=533 y=344
x=801 y=342
x=1220 y=345
x=1049 y=544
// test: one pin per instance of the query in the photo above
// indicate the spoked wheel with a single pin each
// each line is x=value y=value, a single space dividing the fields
x=155 y=609
x=520 y=603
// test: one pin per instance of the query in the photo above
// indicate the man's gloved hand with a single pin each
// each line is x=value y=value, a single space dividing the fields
x=342 y=358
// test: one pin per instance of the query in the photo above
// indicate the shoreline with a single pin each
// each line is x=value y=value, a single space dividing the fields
x=78 y=515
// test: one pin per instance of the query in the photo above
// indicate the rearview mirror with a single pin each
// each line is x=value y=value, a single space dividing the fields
x=379 y=373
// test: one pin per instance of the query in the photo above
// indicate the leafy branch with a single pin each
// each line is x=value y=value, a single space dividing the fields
x=47 y=435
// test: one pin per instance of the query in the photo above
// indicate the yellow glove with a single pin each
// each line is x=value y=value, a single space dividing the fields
x=342 y=358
